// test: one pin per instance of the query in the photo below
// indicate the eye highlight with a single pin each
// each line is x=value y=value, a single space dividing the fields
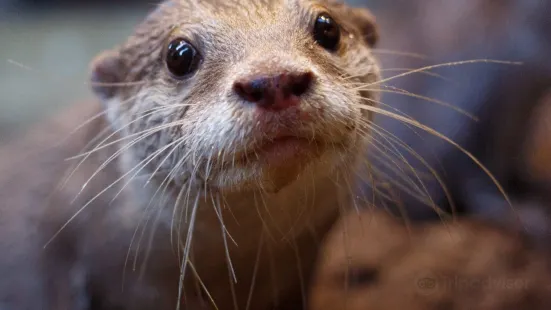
x=182 y=58
x=327 y=32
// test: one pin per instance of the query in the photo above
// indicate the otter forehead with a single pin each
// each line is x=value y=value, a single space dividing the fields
x=228 y=31
x=205 y=21
x=243 y=12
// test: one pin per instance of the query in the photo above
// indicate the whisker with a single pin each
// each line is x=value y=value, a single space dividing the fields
x=148 y=130
x=400 y=172
x=88 y=154
x=18 y=64
x=185 y=259
x=302 y=281
x=231 y=269
x=446 y=139
x=70 y=172
x=101 y=114
x=185 y=209
x=177 y=143
x=225 y=233
x=449 y=64
x=390 y=138
x=395 y=90
x=396 y=183
x=255 y=270
x=429 y=73
x=93 y=199
x=196 y=274
x=124 y=148
x=161 y=206
x=164 y=184
x=398 y=53
x=423 y=162
x=128 y=253
x=412 y=128
x=264 y=224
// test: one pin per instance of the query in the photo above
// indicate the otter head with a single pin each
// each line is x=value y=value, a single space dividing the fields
x=246 y=94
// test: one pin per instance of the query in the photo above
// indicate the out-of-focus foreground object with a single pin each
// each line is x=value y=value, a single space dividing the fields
x=372 y=261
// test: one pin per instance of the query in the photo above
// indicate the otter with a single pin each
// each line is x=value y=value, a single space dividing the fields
x=226 y=139
x=372 y=260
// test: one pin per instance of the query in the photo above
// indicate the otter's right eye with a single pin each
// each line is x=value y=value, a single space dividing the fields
x=327 y=32
x=181 y=58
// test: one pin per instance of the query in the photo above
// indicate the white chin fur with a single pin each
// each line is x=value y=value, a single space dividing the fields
x=254 y=178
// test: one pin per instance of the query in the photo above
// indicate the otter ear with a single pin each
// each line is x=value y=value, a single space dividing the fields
x=365 y=21
x=357 y=18
x=107 y=70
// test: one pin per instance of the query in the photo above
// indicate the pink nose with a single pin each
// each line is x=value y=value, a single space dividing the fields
x=274 y=92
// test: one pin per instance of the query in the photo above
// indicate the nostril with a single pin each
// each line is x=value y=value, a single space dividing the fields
x=300 y=83
x=274 y=90
x=251 y=91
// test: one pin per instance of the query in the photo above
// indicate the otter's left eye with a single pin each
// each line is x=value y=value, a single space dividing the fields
x=327 y=32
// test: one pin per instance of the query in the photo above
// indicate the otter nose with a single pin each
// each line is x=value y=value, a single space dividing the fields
x=274 y=92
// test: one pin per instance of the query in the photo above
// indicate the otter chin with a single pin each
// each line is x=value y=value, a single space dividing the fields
x=271 y=168
x=285 y=159
x=279 y=162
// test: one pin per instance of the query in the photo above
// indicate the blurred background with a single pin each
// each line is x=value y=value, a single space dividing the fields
x=46 y=47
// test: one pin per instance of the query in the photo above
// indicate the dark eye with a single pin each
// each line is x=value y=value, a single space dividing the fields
x=181 y=58
x=327 y=32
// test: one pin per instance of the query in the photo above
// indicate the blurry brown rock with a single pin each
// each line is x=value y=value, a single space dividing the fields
x=372 y=261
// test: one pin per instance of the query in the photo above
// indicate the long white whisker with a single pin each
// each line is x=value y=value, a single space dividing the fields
x=187 y=247
x=255 y=270
x=443 y=137
x=449 y=64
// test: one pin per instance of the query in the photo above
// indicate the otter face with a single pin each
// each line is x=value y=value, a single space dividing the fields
x=242 y=94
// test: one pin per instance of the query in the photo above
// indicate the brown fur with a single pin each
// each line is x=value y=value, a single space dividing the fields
x=371 y=261
x=275 y=222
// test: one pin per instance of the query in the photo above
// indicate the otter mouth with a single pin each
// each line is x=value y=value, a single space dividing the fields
x=283 y=151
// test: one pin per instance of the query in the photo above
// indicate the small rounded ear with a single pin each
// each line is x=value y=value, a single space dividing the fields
x=365 y=21
x=107 y=71
x=357 y=18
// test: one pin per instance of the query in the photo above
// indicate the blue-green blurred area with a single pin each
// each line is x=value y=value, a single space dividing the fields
x=45 y=50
